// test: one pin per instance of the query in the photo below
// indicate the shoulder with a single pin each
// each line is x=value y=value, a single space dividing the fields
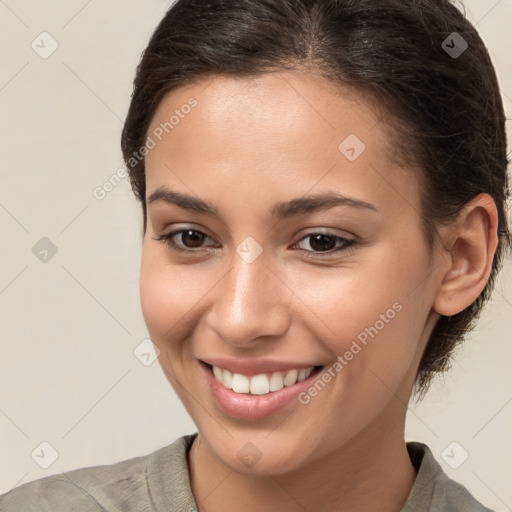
x=434 y=489
x=110 y=487
x=87 y=489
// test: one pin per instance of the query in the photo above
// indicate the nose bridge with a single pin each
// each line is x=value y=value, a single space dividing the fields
x=251 y=302
x=247 y=289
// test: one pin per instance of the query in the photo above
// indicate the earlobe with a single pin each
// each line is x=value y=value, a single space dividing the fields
x=473 y=241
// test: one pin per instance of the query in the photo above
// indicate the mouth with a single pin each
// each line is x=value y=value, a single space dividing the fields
x=242 y=403
x=263 y=383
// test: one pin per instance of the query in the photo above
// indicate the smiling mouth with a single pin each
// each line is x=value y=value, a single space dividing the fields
x=264 y=383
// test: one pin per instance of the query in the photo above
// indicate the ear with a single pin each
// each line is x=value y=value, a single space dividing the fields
x=469 y=244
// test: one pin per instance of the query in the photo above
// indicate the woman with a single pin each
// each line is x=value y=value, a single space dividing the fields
x=323 y=187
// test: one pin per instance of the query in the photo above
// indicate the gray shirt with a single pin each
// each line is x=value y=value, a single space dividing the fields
x=160 y=482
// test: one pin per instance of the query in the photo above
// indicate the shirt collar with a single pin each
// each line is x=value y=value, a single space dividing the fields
x=169 y=487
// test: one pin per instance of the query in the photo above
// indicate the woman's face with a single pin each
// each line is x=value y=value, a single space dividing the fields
x=263 y=283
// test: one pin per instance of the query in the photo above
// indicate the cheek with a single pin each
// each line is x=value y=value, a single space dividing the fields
x=370 y=314
x=394 y=339
x=163 y=296
x=173 y=297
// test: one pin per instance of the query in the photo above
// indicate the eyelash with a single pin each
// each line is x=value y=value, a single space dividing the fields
x=349 y=244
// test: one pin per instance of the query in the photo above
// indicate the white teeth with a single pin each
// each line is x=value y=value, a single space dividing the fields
x=240 y=383
x=227 y=378
x=276 y=381
x=217 y=372
x=260 y=384
x=291 y=377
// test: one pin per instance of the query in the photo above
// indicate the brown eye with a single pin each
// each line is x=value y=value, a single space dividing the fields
x=326 y=244
x=321 y=242
x=191 y=239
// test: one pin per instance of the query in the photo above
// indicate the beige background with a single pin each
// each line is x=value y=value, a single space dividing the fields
x=69 y=326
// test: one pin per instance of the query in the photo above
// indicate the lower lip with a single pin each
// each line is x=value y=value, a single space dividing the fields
x=253 y=407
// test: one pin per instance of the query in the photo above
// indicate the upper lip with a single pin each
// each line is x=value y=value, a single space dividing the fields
x=251 y=367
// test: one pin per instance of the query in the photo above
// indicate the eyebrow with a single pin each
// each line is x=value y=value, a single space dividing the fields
x=281 y=210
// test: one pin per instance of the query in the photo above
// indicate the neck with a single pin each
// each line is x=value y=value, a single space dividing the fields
x=372 y=472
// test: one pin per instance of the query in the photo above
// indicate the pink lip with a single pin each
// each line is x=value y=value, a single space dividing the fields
x=253 y=407
x=251 y=367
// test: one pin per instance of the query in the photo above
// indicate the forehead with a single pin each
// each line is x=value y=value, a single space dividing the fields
x=278 y=131
x=288 y=103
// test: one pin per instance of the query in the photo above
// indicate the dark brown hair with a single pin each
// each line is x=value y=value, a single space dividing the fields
x=442 y=99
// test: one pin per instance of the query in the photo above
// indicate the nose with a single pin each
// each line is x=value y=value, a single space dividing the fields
x=251 y=302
